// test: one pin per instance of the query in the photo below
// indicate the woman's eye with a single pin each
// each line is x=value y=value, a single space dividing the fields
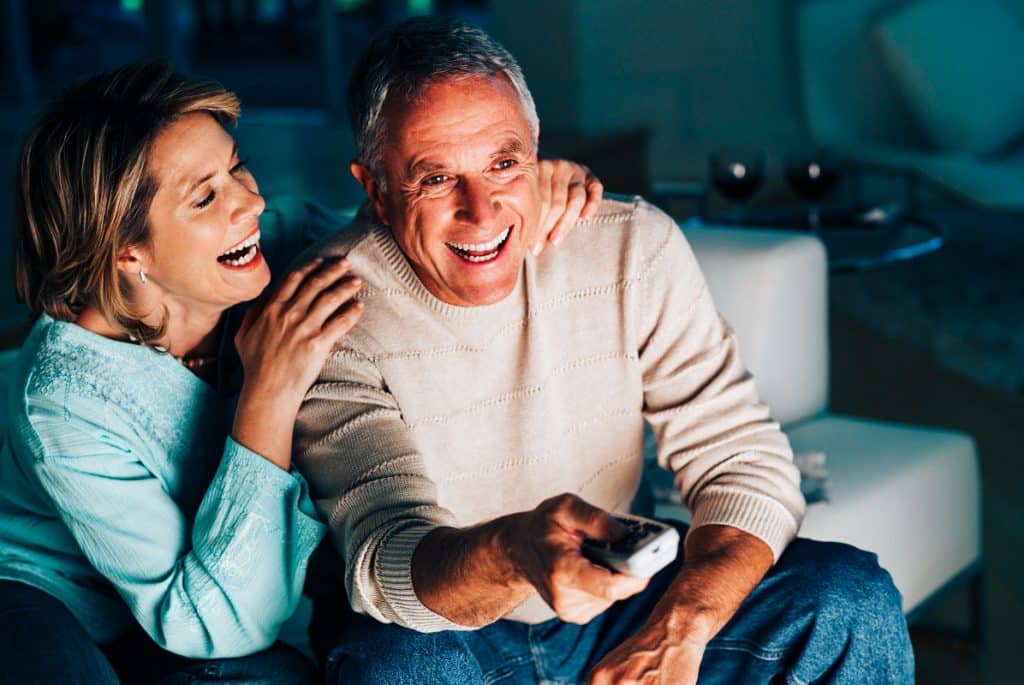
x=206 y=200
x=242 y=165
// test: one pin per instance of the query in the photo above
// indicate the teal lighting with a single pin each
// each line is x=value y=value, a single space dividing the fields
x=131 y=5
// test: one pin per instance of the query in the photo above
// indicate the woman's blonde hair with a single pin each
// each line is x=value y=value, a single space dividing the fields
x=84 y=187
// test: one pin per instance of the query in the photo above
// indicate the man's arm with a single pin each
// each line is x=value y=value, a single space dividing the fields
x=732 y=464
x=405 y=561
x=722 y=566
x=474 y=576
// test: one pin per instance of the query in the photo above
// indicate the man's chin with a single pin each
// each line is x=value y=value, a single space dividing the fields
x=482 y=294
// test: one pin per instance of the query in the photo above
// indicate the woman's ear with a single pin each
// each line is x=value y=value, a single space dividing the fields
x=373 y=190
x=132 y=261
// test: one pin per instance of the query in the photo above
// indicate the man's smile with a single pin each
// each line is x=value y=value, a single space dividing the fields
x=480 y=253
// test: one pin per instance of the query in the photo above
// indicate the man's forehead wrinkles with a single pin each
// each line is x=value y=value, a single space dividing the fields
x=437 y=160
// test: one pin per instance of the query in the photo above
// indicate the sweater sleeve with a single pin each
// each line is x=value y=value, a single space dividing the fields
x=218 y=586
x=369 y=481
x=732 y=463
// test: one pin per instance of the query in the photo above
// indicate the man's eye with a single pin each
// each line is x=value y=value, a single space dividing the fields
x=505 y=164
x=435 y=180
x=206 y=200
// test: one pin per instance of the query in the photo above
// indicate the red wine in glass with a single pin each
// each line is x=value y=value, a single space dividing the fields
x=812 y=178
x=736 y=175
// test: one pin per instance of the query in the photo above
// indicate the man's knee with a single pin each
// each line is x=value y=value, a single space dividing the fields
x=847 y=583
x=395 y=655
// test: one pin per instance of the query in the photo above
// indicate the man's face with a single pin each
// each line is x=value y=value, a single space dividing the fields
x=462 y=189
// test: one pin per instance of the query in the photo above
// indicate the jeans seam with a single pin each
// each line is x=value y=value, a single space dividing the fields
x=751 y=648
x=506 y=669
x=536 y=653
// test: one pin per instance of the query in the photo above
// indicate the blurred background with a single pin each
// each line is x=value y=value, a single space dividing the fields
x=893 y=129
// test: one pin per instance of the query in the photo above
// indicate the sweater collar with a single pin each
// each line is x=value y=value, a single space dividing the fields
x=512 y=305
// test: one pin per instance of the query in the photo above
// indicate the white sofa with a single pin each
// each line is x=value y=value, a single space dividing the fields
x=909 y=494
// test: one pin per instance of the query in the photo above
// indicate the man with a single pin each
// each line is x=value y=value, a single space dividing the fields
x=487 y=413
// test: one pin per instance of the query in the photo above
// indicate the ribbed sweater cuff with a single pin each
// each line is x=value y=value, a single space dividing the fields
x=759 y=515
x=394 y=574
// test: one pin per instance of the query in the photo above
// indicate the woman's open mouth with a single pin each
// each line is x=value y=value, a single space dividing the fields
x=481 y=253
x=242 y=254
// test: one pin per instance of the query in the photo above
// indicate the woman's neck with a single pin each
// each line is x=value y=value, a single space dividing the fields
x=187 y=334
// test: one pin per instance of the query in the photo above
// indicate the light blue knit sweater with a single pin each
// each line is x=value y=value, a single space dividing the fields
x=122 y=495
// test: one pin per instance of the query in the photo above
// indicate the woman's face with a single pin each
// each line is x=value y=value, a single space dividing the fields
x=203 y=254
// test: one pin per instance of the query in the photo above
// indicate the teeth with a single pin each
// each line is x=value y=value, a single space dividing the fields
x=252 y=240
x=482 y=247
x=482 y=258
x=248 y=256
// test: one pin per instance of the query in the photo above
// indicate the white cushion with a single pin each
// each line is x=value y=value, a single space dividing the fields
x=959 y=66
x=909 y=494
x=771 y=286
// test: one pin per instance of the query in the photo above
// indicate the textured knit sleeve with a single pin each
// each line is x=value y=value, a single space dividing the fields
x=732 y=463
x=219 y=586
x=369 y=481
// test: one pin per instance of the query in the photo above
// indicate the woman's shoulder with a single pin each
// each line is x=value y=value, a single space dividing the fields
x=63 y=357
x=69 y=376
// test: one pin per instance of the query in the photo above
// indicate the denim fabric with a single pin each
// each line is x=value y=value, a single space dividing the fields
x=826 y=613
x=42 y=643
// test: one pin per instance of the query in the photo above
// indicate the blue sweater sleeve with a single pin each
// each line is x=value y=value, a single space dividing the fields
x=218 y=587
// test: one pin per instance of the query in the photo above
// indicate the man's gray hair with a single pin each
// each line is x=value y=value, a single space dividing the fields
x=413 y=55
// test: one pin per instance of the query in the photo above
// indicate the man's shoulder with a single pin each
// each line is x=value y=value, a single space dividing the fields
x=627 y=230
x=350 y=236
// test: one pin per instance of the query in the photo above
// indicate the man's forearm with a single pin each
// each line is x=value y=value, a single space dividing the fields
x=721 y=567
x=467 y=575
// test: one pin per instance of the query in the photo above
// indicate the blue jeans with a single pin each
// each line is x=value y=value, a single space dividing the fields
x=42 y=643
x=826 y=613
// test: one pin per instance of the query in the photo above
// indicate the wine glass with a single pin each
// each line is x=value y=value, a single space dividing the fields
x=812 y=177
x=736 y=175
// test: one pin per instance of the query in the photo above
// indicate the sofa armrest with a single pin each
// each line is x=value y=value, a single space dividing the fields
x=772 y=288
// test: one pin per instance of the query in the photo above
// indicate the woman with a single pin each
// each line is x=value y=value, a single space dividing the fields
x=144 y=534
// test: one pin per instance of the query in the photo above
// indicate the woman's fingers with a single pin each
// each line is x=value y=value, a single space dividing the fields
x=316 y=282
x=575 y=199
x=342 y=321
x=293 y=280
x=328 y=301
x=595 y=193
x=569 y=192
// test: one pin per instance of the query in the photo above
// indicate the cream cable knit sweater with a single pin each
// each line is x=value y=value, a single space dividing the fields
x=436 y=415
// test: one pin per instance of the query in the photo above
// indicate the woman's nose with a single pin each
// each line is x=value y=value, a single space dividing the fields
x=248 y=201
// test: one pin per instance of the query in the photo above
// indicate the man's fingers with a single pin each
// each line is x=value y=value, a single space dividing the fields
x=579 y=515
x=608 y=585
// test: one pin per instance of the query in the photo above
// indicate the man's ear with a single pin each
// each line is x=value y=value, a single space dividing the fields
x=373 y=190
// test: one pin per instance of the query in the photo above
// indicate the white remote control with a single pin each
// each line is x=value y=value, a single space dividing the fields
x=649 y=547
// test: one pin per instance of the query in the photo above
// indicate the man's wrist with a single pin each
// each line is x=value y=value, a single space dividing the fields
x=507 y=547
x=686 y=620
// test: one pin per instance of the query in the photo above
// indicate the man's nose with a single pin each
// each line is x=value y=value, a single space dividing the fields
x=477 y=203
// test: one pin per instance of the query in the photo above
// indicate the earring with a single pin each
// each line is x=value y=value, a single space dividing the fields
x=142 y=277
